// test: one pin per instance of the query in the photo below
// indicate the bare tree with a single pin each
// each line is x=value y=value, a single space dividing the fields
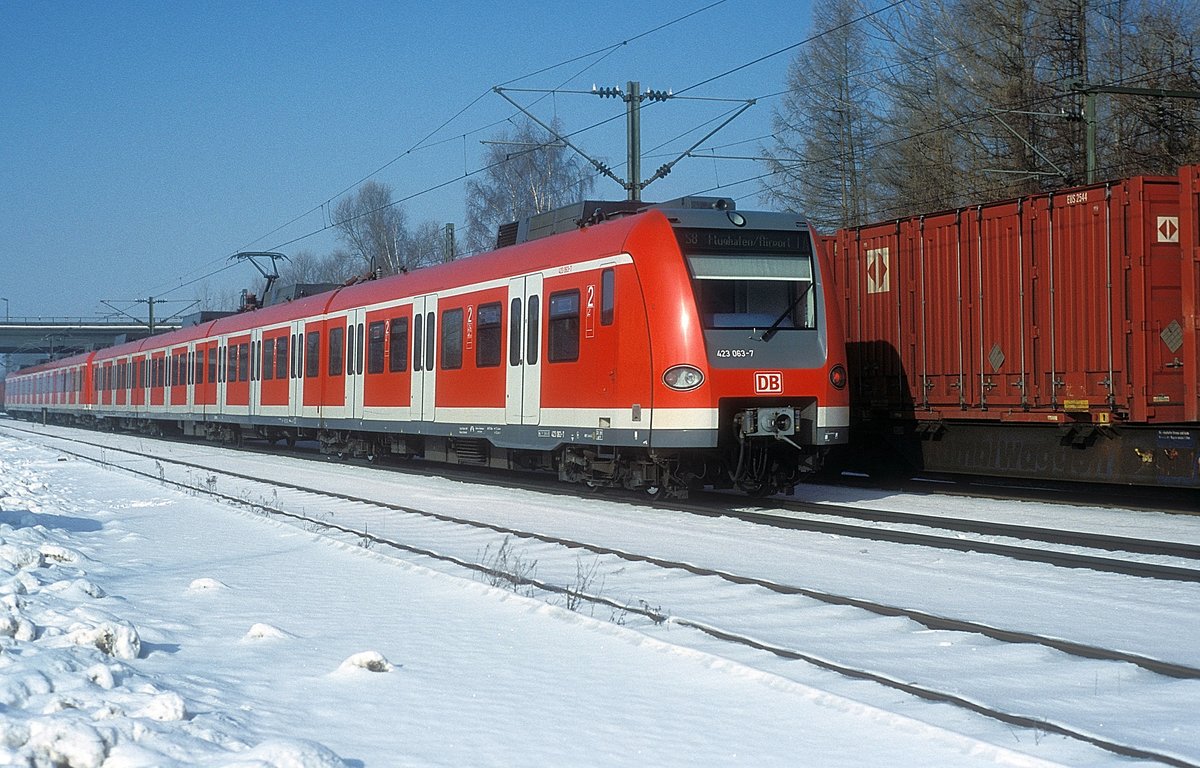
x=826 y=128
x=426 y=245
x=373 y=227
x=1154 y=44
x=920 y=160
x=526 y=173
x=210 y=298
x=376 y=232
x=307 y=267
x=978 y=100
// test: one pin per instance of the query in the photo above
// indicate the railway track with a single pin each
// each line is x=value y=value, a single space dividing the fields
x=1184 y=501
x=1175 y=561
x=578 y=574
x=904 y=528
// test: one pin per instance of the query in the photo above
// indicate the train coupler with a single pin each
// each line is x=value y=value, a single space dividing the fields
x=776 y=422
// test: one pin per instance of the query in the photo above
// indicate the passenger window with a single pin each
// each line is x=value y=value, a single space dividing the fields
x=608 y=296
x=281 y=357
x=564 y=327
x=300 y=347
x=350 y=350
x=243 y=362
x=398 y=354
x=375 y=339
x=337 y=337
x=514 y=332
x=429 y=341
x=487 y=347
x=312 y=354
x=417 y=331
x=533 y=328
x=268 y=359
x=452 y=339
x=360 y=351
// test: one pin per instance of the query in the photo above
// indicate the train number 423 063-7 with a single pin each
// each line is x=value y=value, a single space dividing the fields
x=735 y=353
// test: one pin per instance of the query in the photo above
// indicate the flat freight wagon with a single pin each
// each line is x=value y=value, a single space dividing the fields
x=1055 y=335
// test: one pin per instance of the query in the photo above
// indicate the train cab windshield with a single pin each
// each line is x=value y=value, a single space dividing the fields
x=756 y=281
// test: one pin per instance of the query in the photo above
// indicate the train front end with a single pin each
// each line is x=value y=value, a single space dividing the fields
x=751 y=359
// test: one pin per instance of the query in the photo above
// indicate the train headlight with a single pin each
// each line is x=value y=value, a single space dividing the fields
x=837 y=376
x=683 y=377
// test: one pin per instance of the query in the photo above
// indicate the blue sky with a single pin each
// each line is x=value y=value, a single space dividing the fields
x=143 y=143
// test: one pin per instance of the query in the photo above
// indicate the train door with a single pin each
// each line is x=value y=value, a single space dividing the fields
x=141 y=387
x=222 y=374
x=254 y=403
x=190 y=377
x=296 y=369
x=355 y=339
x=206 y=390
x=523 y=391
x=424 y=379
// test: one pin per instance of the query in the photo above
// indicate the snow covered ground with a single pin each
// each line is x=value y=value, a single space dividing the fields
x=141 y=626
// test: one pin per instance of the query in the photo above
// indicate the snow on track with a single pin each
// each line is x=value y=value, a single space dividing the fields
x=262 y=643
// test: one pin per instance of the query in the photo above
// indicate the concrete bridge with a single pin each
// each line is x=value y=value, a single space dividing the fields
x=59 y=336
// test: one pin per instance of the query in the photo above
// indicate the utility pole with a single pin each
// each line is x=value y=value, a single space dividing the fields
x=633 y=99
x=1089 y=111
x=150 y=301
x=448 y=248
x=633 y=130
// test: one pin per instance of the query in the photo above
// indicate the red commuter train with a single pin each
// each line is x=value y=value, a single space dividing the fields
x=679 y=344
x=1052 y=336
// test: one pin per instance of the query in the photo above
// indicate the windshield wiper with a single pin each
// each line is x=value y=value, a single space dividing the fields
x=774 y=329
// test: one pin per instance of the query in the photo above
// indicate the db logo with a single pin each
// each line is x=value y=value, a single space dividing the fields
x=768 y=382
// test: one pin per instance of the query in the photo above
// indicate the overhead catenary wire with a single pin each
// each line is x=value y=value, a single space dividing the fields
x=602 y=52
x=950 y=125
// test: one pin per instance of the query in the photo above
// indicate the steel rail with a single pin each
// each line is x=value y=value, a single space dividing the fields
x=928 y=620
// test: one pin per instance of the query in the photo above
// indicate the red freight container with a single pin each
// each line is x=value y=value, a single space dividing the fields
x=1075 y=309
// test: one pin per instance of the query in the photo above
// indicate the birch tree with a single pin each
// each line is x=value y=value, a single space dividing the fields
x=526 y=173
